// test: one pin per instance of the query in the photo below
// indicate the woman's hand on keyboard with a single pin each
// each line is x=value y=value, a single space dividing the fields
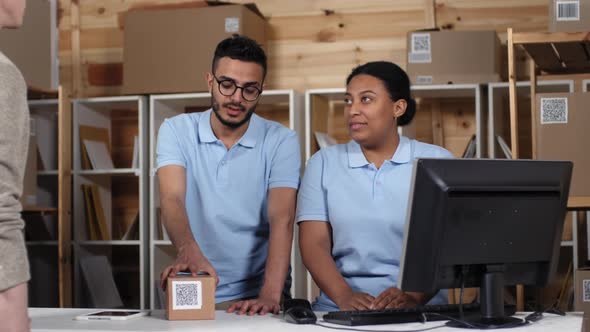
x=355 y=301
x=393 y=298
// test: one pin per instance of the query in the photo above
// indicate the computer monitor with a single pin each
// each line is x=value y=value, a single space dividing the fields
x=484 y=223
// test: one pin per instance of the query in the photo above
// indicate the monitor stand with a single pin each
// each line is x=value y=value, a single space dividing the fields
x=492 y=304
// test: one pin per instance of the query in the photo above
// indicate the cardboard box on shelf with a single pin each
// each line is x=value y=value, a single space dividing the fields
x=33 y=47
x=170 y=50
x=453 y=57
x=582 y=291
x=569 y=15
x=190 y=298
x=562 y=134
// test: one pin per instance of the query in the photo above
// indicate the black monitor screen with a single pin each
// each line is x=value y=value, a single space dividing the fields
x=481 y=222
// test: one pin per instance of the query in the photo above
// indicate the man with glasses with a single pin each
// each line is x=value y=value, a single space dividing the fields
x=228 y=180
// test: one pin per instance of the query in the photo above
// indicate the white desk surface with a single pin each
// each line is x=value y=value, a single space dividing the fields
x=51 y=320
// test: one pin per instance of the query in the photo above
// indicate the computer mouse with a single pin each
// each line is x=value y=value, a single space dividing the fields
x=300 y=315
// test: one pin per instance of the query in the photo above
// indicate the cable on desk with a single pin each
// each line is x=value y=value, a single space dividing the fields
x=362 y=330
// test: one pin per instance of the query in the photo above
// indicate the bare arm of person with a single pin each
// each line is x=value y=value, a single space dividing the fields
x=315 y=242
x=281 y=215
x=172 y=180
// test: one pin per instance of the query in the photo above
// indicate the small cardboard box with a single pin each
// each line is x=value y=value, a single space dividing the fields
x=569 y=15
x=453 y=57
x=190 y=298
x=582 y=291
x=171 y=50
x=562 y=134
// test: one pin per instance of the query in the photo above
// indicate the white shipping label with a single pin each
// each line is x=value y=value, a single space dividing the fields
x=421 y=79
x=232 y=24
x=586 y=290
x=553 y=110
x=419 y=58
x=567 y=10
x=187 y=295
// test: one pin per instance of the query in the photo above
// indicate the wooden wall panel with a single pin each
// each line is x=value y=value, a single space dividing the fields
x=522 y=15
x=312 y=43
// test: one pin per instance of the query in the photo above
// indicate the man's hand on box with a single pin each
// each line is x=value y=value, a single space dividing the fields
x=188 y=260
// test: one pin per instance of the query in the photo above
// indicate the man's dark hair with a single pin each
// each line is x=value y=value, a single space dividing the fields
x=241 y=48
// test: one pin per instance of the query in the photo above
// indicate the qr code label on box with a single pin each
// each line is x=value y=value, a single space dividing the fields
x=232 y=24
x=586 y=290
x=420 y=43
x=553 y=110
x=420 y=48
x=187 y=295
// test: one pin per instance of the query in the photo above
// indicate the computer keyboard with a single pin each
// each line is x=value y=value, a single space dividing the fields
x=407 y=315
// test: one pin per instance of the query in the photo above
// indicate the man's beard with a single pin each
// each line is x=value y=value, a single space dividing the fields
x=233 y=125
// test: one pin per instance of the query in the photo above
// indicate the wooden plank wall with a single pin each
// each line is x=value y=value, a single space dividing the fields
x=312 y=43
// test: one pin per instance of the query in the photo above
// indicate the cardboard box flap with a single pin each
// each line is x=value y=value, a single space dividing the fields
x=186 y=5
x=251 y=6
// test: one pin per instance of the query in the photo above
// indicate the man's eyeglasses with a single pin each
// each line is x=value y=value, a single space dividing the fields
x=228 y=87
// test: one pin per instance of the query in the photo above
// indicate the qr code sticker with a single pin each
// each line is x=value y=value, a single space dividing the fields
x=232 y=24
x=553 y=110
x=586 y=290
x=420 y=43
x=187 y=295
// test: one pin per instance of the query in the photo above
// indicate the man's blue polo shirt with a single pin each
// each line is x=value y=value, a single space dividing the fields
x=226 y=192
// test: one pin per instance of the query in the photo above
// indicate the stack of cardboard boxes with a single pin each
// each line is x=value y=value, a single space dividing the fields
x=562 y=128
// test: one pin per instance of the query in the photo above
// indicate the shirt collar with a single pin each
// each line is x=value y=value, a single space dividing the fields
x=356 y=158
x=206 y=134
x=403 y=153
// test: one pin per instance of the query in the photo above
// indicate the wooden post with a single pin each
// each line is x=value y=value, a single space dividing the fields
x=514 y=133
x=64 y=198
x=77 y=90
x=430 y=13
x=533 y=76
x=437 y=124
x=513 y=101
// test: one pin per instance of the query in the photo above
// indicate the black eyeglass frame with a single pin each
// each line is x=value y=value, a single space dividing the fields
x=236 y=87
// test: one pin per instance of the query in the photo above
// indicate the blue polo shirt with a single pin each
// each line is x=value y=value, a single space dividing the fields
x=226 y=192
x=366 y=208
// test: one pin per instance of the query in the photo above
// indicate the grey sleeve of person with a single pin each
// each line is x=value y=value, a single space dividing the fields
x=14 y=139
